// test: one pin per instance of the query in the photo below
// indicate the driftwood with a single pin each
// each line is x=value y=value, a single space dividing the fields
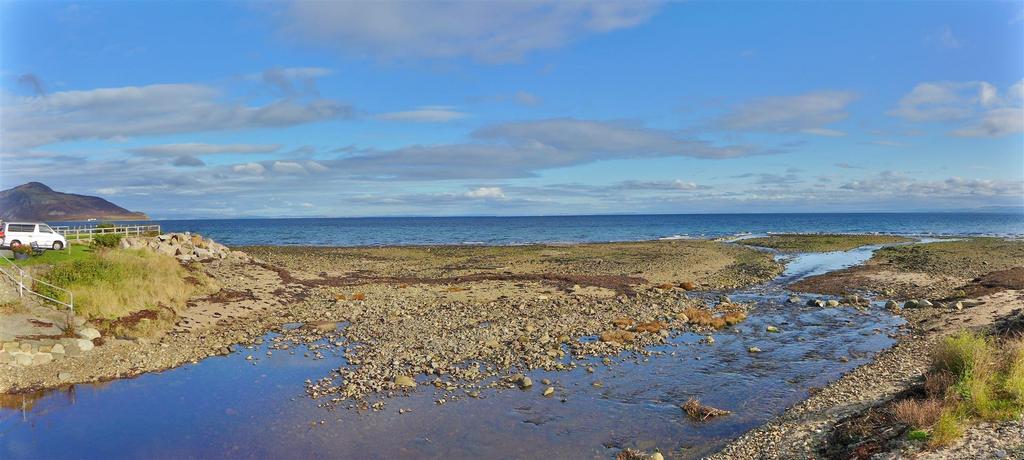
x=695 y=409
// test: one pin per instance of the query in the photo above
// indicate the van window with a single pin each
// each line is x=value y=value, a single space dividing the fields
x=45 y=228
x=21 y=228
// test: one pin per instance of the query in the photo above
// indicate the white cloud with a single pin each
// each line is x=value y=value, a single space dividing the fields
x=484 y=31
x=112 y=113
x=199 y=149
x=808 y=113
x=944 y=38
x=288 y=167
x=519 y=149
x=527 y=98
x=249 y=168
x=994 y=123
x=315 y=167
x=894 y=183
x=976 y=105
x=427 y=114
x=677 y=185
x=486 y=193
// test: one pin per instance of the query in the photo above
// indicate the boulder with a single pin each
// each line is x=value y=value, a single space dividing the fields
x=403 y=381
x=88 y=333
x=22 y=359
x=41 y=358
x=323 y=326
x=833 y=303
x=653 y=327
x=618 y=337
x=816 y=303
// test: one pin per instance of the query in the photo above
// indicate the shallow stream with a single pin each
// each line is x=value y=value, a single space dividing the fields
x=227 y=406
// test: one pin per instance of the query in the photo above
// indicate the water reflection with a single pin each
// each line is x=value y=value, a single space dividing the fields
x=229 y=407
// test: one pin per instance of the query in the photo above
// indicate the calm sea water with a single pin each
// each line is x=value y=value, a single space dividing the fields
x=521 y=230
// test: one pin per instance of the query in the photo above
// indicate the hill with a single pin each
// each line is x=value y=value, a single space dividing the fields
x=37 y=202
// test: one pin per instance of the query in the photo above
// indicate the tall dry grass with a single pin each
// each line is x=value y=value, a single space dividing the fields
x=117 y=283
x=972 y=377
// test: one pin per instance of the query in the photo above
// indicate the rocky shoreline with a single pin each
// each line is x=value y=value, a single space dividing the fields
x=467 y=319
x=810 y=428
x=538 y=313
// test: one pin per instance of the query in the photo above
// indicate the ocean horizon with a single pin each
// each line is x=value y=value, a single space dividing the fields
x=515 y=230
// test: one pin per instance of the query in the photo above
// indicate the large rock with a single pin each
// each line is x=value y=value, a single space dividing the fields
x=75 y=347
x=41 y=358
x=88 y=333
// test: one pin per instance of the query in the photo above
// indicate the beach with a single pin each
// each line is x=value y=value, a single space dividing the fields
x=421 y=329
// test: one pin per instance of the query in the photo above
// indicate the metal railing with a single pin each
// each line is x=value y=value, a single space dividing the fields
x=86 y=233
x=26 y=283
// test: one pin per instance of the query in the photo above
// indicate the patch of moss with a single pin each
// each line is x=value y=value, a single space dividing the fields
x=821 y=242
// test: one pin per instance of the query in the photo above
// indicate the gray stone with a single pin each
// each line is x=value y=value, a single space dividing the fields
x=892 y=305
x=80 y=344
x=911 y=304
x=924 y=303
x=88 y=333
x=78 y=321
x=11 y=347
x=41 y=358
x=5 y=357
x=22 y=359
x=816 y=303
x=57 y=348
x=754 y=350
x=833 y=303
x=64 y=376
x=793 y=299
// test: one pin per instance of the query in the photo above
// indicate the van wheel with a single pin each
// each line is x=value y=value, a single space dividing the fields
x=15 y=244
x=57 y=245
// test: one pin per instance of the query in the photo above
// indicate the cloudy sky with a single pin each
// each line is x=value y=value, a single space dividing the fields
x=239 y=109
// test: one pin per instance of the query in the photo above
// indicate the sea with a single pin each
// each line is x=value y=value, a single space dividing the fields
x=379 y=231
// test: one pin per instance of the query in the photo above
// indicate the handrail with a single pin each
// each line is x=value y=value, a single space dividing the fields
x=87 y=232
x=20 y=280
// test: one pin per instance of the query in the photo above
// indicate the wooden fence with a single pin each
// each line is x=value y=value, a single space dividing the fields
x=86 y=233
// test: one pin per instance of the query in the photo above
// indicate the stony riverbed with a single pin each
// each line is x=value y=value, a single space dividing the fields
x=587 y=397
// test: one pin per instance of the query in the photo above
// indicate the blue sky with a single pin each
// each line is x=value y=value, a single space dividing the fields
x=201 y=109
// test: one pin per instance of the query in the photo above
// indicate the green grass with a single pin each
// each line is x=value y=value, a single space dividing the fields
x=947 y=429
x=118 y=288
x=987 y=383
x=820 y=243
x=50 y=257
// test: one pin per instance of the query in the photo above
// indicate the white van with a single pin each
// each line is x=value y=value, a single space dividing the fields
x=13 y=234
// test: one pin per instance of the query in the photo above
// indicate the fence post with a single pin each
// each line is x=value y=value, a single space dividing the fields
x=21 y=283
